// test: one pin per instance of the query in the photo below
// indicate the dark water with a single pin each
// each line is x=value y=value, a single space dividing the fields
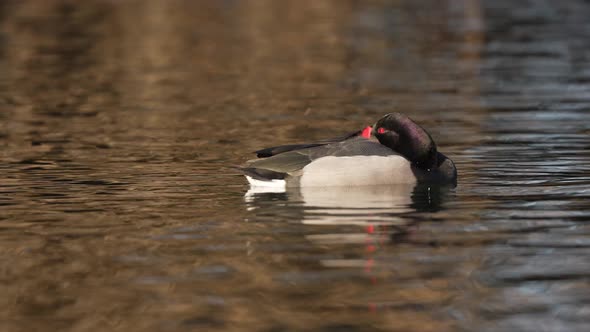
x=120 y=122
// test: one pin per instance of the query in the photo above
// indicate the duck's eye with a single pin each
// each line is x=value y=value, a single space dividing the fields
x=381 y=130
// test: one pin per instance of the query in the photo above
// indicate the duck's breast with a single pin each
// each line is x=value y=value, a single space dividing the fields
x=357 y=171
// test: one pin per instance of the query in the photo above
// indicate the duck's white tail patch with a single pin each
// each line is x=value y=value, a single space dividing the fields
x=270 y=184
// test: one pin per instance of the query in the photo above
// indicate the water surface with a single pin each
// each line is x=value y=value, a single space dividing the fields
x=120 y=122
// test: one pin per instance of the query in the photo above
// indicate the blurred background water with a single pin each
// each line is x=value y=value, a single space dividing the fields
x=120 y=122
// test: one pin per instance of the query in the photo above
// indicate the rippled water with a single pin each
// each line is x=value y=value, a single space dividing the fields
x=120 y=122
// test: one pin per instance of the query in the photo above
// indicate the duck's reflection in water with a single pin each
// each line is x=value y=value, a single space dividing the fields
x=386 y=212
x=354 y=236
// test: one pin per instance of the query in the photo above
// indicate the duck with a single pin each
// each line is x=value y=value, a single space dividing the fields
x=395 y=150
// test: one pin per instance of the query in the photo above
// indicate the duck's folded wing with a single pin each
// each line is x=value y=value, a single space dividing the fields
x=280 y=165
x=291 y=162
x=275 y=150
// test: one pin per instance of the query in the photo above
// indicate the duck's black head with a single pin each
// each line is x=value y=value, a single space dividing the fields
x=401 y=134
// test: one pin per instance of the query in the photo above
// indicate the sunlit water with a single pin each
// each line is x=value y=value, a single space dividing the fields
x=121 y=121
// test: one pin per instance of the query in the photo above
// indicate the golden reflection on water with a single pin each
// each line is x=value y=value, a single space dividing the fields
x=120 y=122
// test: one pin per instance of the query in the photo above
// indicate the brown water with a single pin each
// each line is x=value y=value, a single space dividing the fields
x=120 y=122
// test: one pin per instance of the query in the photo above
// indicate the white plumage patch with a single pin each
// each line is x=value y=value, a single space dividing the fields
x=272 y=184
x=358 y=171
